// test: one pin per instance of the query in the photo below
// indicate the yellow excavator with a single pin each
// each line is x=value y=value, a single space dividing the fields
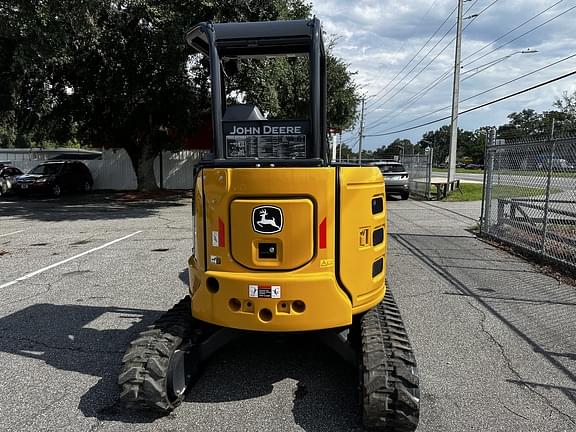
x=285 y=241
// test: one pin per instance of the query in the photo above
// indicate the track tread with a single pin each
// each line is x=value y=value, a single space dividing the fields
x=390 y=391
x=143 y=378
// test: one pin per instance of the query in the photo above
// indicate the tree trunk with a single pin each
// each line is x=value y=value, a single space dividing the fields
x=142 y=157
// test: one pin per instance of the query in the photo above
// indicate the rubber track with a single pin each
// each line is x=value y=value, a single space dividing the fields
x=391 y=396
x=145 y=365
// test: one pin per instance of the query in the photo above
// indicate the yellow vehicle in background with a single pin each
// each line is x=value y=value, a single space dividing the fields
x=284 y=242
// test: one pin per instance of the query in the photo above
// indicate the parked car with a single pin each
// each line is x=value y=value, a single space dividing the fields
x=396 y=179
x=474 y=166
x=557 y=164
x=54 y=178
x=8 y=176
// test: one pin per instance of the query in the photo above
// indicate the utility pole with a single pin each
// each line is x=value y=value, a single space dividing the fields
x=361 y=138
x=455 y=97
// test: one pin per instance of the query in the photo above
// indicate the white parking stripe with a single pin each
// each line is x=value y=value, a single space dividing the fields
x=37 y=272
x=15 y=232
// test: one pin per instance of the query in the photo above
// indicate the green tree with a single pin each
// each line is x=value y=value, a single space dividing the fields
x=523 y=124
x=440 y=140
x=567 y=104
x=470 y=144
x=120 y=74
x=346 y=153
x=565 y=118
x=531 y=124
x=397 y=147
x=280 y=87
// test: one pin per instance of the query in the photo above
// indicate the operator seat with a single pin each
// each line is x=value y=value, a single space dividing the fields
x=242 y=112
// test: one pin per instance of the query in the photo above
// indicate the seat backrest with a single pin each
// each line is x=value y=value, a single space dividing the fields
x=242 y=112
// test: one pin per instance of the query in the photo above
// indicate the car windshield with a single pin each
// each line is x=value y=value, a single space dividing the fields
x=392 y=168
x=46 y=169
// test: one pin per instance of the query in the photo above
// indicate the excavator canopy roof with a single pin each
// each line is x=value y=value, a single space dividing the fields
x=249 y=39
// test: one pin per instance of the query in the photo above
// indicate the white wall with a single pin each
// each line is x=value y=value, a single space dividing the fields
x=114 y=171
x=177 y=169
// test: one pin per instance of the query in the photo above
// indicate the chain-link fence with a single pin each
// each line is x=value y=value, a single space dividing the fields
x=419 y=168
x=530 y=196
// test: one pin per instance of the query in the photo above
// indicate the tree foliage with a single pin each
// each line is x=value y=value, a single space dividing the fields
x=280 y=87
x=470 y=144
x=531 y=124
x=567 y=105
x=120 y=74
x=395 y=148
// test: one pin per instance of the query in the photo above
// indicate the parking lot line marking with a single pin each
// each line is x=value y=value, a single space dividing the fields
x=42 y=270
x=15 y=232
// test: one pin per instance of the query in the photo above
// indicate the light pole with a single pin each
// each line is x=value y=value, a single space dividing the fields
x=483 y=67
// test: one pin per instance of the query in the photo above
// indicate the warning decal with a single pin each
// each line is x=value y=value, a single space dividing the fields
x=264 y=291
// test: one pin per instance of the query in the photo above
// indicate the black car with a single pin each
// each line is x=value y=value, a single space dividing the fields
x=8 y=175
x=55 y=178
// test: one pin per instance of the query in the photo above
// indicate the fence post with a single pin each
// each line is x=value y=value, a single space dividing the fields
x=429 y=172
x=487 y=192
x=547 y=200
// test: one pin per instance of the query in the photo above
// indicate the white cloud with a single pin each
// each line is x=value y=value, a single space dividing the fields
x=379 y=37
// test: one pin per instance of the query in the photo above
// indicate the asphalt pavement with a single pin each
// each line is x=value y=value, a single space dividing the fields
x=495 y=338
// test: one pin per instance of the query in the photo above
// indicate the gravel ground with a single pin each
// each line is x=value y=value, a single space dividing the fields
x=495 y=339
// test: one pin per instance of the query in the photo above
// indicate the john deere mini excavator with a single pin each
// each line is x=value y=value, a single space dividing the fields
x=285 y=241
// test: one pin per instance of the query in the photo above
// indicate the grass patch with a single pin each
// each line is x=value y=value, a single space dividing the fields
x=460 y=170
x=470 y=192
x=473 y=192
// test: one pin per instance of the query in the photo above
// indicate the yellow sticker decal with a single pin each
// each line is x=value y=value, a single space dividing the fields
x=327 y=263
x=364 y=237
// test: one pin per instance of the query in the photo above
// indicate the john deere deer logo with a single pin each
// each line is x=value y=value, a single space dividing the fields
x=267 y=219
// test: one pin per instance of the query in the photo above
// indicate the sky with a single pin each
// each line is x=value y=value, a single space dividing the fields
x=402 y=53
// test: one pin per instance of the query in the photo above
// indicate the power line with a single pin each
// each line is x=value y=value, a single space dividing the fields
x=443 y=77
x=413 y=78
x=479 y=106
x=520 y=77
x=490 y=89
x=412 y=59
x=512 y=31
x=431 y=61
x=522 y=35
x=479 y=69
x=353 y=146
x=404 y=43
x=446 y=74
x=415 y=98
x=381 y=102
x=409 y=82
